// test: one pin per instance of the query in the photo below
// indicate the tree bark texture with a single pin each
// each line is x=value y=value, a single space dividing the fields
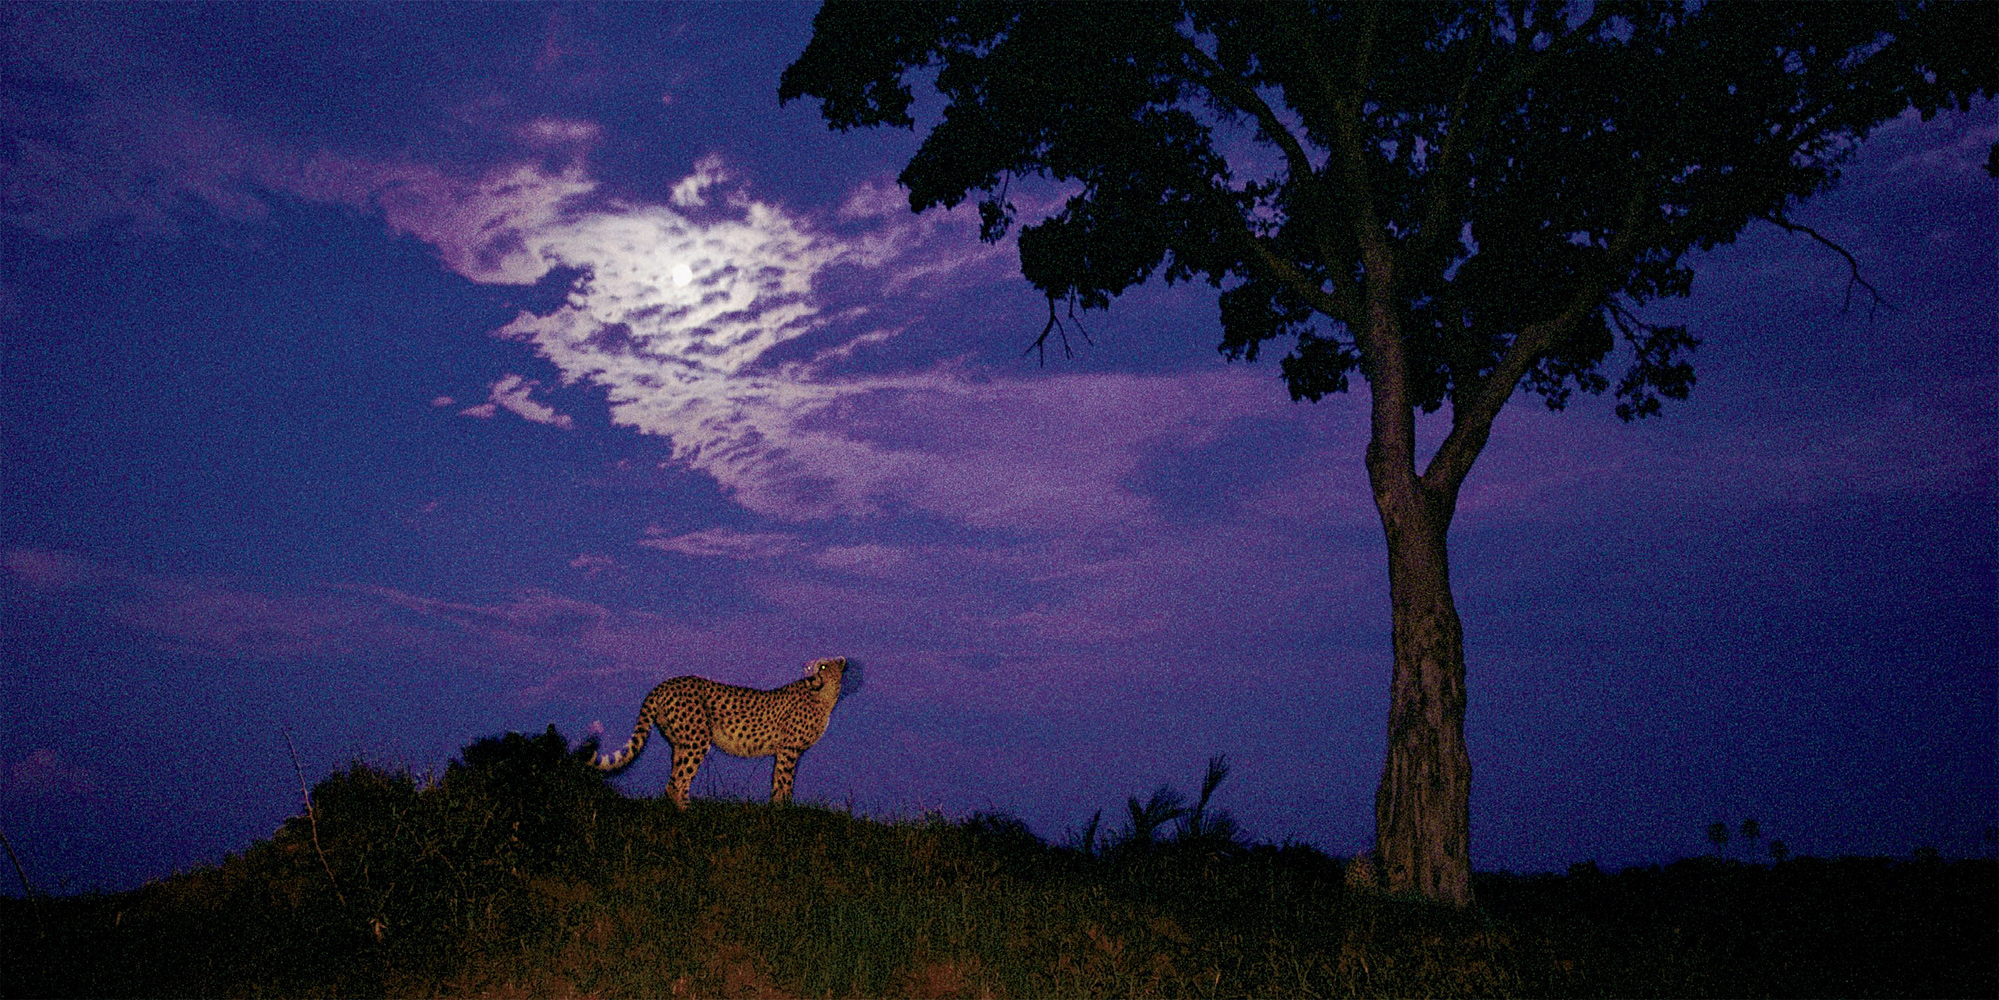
x=1422 y=808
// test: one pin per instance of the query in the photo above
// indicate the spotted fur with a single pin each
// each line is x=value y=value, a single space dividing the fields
x=695 y=712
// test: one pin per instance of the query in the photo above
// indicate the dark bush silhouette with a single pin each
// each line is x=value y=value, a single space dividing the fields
x=528 y=795
x=520 y=873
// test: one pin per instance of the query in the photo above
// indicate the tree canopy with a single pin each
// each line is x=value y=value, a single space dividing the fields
x=1511 y=180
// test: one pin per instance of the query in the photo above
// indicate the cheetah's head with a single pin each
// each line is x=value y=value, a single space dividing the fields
x=826 y=674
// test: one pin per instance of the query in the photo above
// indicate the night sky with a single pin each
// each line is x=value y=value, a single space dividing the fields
x=391 y=377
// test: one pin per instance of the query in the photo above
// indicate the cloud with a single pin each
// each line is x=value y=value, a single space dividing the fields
x=132 y=163
x=675 y=316
x=531 y=632
x=1966 y=144
x=557 y=132
x=725 y=543
x=939 y=251
x=708 y=172
x=42 y=569
x=510 y=393
x=44 y=774
x=593 y=565
x=680 y=311
x=208 y=617
x=864 y=560
x=1563 y=466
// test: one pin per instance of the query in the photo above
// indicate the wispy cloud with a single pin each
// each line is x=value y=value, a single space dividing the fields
x=691 y=191
x=532 y=632
x=511 y=393
x=45 y=570
x=677 y=314
x=680 y=312
x=45 y=774
x=556 y=133
x=680 y=307
x=726 y=543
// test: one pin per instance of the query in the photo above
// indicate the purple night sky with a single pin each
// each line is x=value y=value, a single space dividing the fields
x=399 y=376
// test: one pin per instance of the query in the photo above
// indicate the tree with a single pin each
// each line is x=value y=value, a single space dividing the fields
x=1471 y=198
x=1717 y=834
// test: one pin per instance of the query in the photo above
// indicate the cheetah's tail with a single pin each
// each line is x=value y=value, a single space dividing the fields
x=630 y=751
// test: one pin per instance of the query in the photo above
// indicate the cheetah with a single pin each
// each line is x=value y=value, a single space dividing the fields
x=693 y=712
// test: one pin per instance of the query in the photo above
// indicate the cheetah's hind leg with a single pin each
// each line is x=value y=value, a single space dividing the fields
x=686 y=760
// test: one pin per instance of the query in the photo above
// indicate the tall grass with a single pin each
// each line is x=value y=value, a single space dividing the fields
x=519 y=872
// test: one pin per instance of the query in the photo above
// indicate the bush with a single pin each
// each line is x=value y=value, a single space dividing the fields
x=521 y=872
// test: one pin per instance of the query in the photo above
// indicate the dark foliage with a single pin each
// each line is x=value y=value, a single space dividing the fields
x=382 y=874
x=441 y=892
x=1486 y=169
x=1808 y=927
x=532 y=797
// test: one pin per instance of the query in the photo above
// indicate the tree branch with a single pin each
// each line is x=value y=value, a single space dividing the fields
x=1852 y=264
x=1391 y=449
x=1454 y=159
x=1223 y=83
x=1471 y=420
x=1219 y=81
x=18 y=871
x=1349 y=115
x=311 y=816
x=1055 y=323
x=1339 y=304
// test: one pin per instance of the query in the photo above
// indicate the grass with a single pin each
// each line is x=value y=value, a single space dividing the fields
x=520 y=873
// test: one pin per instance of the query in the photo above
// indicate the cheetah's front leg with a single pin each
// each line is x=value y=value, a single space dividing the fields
x=781 y=774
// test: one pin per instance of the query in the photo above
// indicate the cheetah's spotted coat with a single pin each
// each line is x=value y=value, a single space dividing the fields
x=695 y=712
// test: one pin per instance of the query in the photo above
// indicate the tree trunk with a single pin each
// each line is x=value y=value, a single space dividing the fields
x=1422 y=809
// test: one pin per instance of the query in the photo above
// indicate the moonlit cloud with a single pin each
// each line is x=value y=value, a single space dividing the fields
x=676 y=311
x=495 y=229
x=674 y=317
x=707 y=173
x=558 y=132
x=934 y=252
x=511 y=394
x=725 y=543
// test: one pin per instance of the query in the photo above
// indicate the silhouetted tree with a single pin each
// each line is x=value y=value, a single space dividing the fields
x=1750 y=832
x=1778 y=852
x=1469 y=198
x=1717 y=834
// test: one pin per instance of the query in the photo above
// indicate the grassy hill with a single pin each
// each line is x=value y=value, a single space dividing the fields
x=521 y=873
